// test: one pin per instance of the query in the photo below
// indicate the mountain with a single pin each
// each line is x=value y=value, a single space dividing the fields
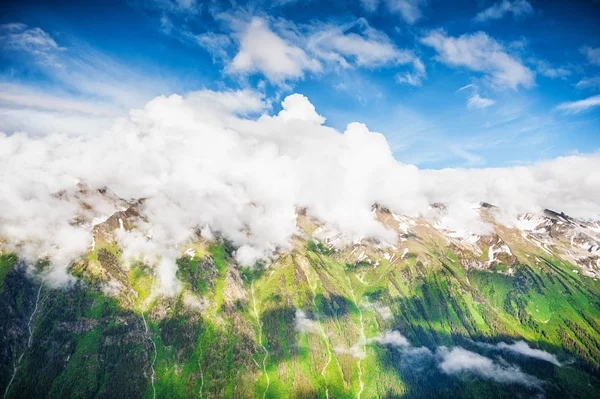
x=509 y=311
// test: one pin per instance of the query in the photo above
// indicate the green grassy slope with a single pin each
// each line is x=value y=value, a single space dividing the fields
x=232 y=333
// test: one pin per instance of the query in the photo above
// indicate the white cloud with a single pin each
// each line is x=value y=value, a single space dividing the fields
x=369 y=48
x=410 y=10
x=409 y=78
x=356 y=351
x=35 y=41
x=414 y=78
x=283 y=51
x=475 y=101
x=261 y=50
x=216 y=44
x=16 y=96
x=480 y=53
x=23 y=108
x=297 y=107
x=588 y=83
x=459 y=360
x=522 y=348
x=545 y=69
x=592 y=54
x=470 y=158
x=370 y=5
x=469 y=86
x=498 y=10
x=205 y=161
x=173 y=6
x=392 y=338
x=79 y=83
x=575 y=107
x=306 y=325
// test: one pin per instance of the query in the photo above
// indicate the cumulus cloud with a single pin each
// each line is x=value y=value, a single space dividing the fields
x=478 y=102
x=497 y=11
x=575 y=107
x=481 y=53
x=219 y=163
x=261 y=50
x=459 y=360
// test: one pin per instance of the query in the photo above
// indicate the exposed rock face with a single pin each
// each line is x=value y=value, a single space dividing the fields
x=304 y=325
x=235 y=290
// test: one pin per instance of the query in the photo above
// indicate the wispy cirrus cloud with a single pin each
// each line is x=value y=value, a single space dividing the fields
x=587 y=83
x=83 y=90
x=544 y=68
x=283 y=51
x=410 y=10
x=497 y=11
x=575 y=107
x=592 y=54
x=34 y=41
x=481 y=53
x=414 y=78
x=368 y=48
x=475 y=101
x=171 y=6
x=218 y=45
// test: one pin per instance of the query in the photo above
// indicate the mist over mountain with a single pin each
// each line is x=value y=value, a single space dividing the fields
x=199 y=163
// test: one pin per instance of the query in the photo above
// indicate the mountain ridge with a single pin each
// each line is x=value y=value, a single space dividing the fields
x=328 y=317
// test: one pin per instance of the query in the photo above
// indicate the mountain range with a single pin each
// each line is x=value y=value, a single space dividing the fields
x=511 y=312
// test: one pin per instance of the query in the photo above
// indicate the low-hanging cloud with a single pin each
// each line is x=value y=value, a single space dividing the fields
x=522 y=348
x=460 y=360
x=219 y=162
x=306 y=325
x=393 y=338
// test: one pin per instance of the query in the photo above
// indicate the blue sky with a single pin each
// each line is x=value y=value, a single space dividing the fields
x=450 y=84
